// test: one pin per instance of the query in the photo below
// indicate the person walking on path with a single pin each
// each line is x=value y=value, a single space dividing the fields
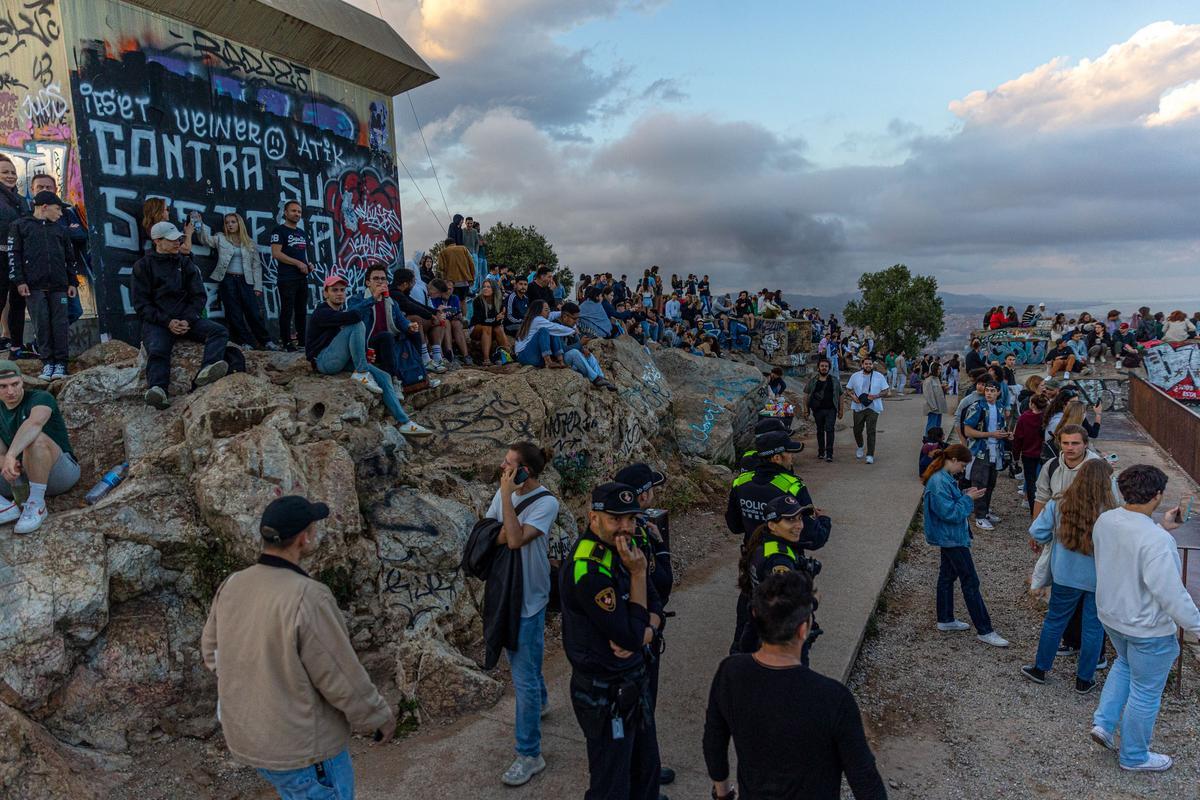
x=1067 y=522
x=983 y=424
x=289 y=684
x=526 y=531
x=796 y=733
x=823 y=399
x=867 y=388
x=934 y=392
x=946 y=510
x=1140 y=599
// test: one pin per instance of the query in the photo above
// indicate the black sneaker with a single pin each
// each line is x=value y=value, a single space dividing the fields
x=1033 y=673
x=829 y=459
x=1084 y=687
x=1067 y=650
x=666 y=775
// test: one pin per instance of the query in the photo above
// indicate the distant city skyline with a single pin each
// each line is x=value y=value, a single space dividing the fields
x=1030 y=148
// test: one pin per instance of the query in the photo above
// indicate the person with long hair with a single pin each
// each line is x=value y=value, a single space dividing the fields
x=1067 y=522
x=539 y=341
x=239 y=278
x=1178 y=327
x=12 y=207
x=487 y=320
x=946 y=510
x=1027 y=443
x=155 y=210
x=1071 y=412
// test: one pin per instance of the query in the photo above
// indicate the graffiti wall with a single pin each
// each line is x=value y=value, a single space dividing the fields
x=780 y=339
x=1027 y=344
x=214 y=126
x=1175 y=368
x=37 y=130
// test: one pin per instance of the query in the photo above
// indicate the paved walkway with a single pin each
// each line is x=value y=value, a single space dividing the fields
x=871 y=507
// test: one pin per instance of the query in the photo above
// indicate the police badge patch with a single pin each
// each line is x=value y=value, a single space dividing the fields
x=607 y=599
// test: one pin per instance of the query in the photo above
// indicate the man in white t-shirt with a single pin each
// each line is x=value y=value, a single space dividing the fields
x=526 y=531
x=866 y=388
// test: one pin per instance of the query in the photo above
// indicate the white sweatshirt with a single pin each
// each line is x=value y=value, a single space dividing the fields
x=1139 y=590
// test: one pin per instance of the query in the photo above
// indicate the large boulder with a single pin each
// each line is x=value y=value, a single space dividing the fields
x=443 y=681
x=715 y=403
x=36 y=766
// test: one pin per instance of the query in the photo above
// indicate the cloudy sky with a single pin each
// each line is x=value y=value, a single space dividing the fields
x=1050 y=147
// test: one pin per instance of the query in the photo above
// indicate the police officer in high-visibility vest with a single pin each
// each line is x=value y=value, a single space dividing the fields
x=750 y=458
x=607 y=629
x=652 y=541
x=752 y=489
x=778 y=546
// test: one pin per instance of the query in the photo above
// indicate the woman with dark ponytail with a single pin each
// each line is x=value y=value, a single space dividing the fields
x=946 y=511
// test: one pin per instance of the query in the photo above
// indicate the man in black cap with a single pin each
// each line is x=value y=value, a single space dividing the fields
x=750 y=459
x=289 y=685
x=652 y=540
x=43 y=265
x=753 y=488
x=606 y=628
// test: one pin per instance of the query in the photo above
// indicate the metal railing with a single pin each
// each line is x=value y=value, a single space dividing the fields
x=1173 y=425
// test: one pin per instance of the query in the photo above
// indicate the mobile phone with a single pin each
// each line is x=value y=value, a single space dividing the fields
x=521 y=475
x=1185 y=507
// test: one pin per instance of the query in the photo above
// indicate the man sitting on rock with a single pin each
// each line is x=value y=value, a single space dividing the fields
x=396 y=341
x=35 y=448
x=336 y=338
x=576 y=353
x=169 y=298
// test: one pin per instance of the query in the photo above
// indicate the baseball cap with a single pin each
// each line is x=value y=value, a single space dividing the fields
x=769 y=425
x=776 y=442
x=46 y=198
x=163 y=230
x=9 y=369
x=1124 y=326
x=783 y=507
x=287 y=516
x=615 y=498
x=333 y=278
x=641 y=477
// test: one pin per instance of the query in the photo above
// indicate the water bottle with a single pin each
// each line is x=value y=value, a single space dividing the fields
x=110 y=481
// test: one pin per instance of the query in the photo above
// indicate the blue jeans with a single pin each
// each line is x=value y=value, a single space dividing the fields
x=529 y=686
x=1063 y=600
x=957 y=564
x=893 y=375
x=932 y=420
x=332 y=779
x=587 y=366
x=543 y=345
x=651 y=333
x=349 y=347
x=1133 y=691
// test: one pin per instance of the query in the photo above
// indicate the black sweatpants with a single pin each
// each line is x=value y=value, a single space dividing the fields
x=293 y=310
x=825 y=419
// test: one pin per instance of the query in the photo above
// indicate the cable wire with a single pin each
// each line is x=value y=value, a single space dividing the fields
x=431 y=166
x=418 y=187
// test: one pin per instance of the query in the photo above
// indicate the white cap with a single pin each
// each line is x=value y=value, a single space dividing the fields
x=165 y=230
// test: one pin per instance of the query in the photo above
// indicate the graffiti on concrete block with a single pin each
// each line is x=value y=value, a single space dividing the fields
x=780 y=339
x=1175 y=368
x=1027 y=344
x=1111 y=394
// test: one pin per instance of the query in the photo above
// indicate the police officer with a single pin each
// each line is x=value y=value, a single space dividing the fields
x=653 y=542
x=753 y=488
x=606 y=628
x=778 y=546
x=750 y=459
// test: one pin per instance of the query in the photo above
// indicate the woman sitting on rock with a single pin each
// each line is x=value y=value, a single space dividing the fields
x=487 y=321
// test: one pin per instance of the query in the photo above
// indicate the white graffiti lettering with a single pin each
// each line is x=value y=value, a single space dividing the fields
x=44 y=107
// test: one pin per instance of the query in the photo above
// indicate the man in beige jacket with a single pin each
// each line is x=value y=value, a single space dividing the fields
x=289 y=685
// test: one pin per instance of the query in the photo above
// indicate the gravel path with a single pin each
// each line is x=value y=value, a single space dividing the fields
x=950 y=717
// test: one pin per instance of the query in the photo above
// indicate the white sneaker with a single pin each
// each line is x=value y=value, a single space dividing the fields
x=858 y=453
x=870 y=459
x=434 y=382
x=439 y=366
x=994 y=639
x=523 y=769
x=10 y=513
x=47 y=372
x=1155 y=762
x=411 y=428
x=984 y=525
x=1103 y=737
x=32 y=517
x=367 y=380
x=992 y=518
x=956 y=625
x=60 y=371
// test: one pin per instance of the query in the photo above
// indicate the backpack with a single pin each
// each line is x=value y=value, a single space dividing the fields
x=481 y=542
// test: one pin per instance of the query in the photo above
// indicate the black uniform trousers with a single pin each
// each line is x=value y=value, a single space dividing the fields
x=620 y=769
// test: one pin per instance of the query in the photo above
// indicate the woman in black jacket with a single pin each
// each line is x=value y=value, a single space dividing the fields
x=12 y=208
x=487 y=321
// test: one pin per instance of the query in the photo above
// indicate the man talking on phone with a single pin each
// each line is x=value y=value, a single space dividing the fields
x=988 y=436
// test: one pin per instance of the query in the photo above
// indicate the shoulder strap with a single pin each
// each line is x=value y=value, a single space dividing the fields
x=528 y=501
x=588 y=552
x=745 y=477
x=1051 y=467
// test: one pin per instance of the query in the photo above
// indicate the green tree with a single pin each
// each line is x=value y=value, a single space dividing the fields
x=521 y=247
x=904 y=309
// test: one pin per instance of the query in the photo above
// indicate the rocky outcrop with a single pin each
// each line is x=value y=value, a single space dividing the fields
x=99 y=642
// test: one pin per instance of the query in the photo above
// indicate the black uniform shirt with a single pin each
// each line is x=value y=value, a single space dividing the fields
x=658 y=558
x=594 y=586
x=749 y=497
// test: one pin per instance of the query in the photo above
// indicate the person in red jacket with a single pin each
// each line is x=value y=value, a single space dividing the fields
x=1027 y=442
x=998 y=318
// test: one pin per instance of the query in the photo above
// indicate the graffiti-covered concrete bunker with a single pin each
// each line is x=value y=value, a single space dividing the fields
x=223 y=107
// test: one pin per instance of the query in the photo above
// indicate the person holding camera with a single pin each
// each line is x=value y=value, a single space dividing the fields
x=778 y=546
x=606 y=627
x=527 y=511
x=867 y=388
x=796 y=733
x=946 y=510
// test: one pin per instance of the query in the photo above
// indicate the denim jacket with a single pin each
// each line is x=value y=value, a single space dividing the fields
x=977 y=417
x=946 y=511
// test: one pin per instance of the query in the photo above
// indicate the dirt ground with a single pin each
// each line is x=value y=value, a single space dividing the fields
x=950 y=717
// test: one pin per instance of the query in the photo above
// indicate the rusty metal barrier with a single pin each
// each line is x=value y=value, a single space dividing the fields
x=1173 y=425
